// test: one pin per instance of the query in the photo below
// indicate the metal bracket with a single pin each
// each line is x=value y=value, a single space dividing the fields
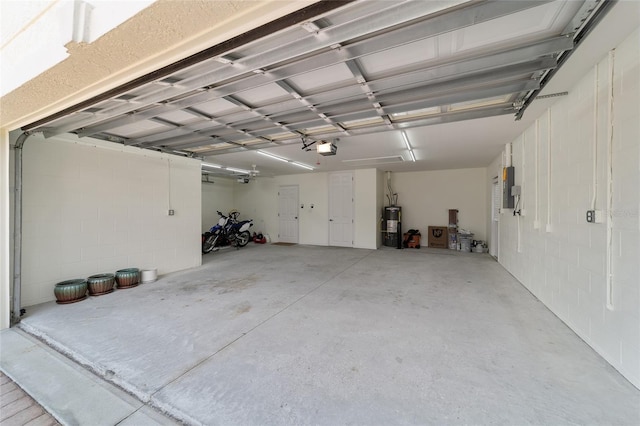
x=306 y=145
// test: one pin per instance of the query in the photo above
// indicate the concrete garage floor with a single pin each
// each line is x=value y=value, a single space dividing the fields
x=319 y=335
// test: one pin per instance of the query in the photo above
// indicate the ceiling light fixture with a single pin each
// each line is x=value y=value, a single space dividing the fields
x=406 y=142
x=277 y=157
x=304 y=166
x=233 y=169
x=214 y=166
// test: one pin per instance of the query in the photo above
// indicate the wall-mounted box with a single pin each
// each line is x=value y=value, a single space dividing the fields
x=507 y=184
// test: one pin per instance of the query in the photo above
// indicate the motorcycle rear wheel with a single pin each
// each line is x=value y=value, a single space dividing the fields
x=243 y=238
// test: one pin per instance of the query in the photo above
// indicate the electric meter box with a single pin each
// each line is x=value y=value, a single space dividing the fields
x=507 y=185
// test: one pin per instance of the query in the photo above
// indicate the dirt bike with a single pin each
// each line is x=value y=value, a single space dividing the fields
x=228 y=231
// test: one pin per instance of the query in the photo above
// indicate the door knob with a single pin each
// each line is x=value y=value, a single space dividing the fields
x=330 y=220
x=296 y=217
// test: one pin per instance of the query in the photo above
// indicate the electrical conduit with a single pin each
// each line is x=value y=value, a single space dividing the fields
x=608 y=270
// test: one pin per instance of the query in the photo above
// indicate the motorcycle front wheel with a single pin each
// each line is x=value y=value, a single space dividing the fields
x=243 y=238
x=210 y=243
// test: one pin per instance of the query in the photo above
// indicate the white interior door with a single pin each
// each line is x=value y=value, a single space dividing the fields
x=288 y=214
x=341 y=209
x=496 y=199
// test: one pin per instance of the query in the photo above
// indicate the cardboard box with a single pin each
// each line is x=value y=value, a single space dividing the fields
x=438 y=237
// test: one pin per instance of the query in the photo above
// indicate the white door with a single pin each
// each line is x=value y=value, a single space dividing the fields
x=341 y=209
x=496 y=200
x=288 y=214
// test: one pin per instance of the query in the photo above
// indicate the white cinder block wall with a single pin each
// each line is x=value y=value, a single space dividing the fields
x=562 y=163
x=93 y=207
x=217 y=196
x=426 y=197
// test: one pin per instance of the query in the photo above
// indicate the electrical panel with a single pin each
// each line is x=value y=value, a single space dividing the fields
x=507 y=184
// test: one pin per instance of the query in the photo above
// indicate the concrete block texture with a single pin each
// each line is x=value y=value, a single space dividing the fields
x=590 y=133
x=90 y=208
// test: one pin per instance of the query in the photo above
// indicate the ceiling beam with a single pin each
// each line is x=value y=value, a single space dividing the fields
x=397 y=14
x=448 y=117
x=298 y=96
x=355 y=69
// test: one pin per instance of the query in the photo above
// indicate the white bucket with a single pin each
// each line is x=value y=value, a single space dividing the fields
x=149 y=275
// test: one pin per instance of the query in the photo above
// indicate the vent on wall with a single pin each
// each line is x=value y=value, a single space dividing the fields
x=374 y=160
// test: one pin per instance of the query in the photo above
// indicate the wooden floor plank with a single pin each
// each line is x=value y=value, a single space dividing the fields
x=8 y=398
x=15 y=407
x=44 y=420
x=19 y=409
x=25 y=416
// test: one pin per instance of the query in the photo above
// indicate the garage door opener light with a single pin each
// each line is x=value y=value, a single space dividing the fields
x=326 y=148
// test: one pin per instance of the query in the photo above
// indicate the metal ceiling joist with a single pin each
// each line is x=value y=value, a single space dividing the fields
x=588 y=24
x=433 y=73
x=355 y=69
x=334 y=80
x=414 y=100
x=391 y=96
x=213 y=125
x=296 y=95
x=449 y=117
x=419 y=100
x=257 y=33
x=448 y=20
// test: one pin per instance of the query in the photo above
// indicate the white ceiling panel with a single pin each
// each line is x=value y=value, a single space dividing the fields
x=531 y=24
x=261 y=94
x=331 y=76
x=216 y=107
x=179 y=117
x=138 y=129
x=411 y=53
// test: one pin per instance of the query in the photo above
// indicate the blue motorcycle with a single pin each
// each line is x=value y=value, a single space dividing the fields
x=228 y=231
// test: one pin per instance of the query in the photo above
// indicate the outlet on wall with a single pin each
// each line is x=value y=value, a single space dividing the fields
x=594 y=216
x=172 y=212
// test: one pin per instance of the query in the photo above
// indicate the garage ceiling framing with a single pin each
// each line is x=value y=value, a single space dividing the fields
x=354 y=68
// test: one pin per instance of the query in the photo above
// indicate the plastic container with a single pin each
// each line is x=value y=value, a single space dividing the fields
x=464 y=241
x=148 y=275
